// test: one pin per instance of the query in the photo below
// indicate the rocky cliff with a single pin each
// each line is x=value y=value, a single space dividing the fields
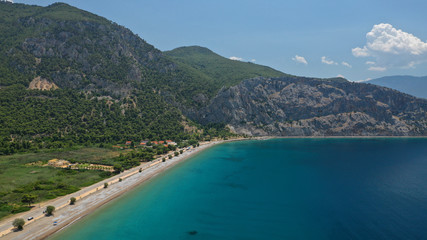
x=296 y=106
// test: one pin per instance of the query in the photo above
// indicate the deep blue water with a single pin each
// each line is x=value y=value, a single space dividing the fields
x=277 y=189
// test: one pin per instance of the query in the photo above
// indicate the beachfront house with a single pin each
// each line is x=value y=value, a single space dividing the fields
x=170 y=142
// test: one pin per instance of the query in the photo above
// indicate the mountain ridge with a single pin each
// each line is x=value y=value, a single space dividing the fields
x=292 y=106
x=416 y=86
x=101 y=66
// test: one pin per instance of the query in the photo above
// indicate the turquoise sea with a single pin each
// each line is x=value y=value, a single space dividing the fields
x=277 y=189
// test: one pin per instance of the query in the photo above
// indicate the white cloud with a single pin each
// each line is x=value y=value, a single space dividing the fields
x=360 y=52
x=300 y=59
x=11 y=1
x=365 y=80
x=253 y=60
x=236 y=58
x=377 y=69
x=341 y=76
x=346 y=64
x=329 y=62
x=392 y=47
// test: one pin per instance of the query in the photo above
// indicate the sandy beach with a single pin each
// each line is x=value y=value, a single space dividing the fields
x=88 y=199
x=94 y=196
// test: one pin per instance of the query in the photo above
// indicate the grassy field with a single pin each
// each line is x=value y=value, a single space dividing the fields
x=18 y=177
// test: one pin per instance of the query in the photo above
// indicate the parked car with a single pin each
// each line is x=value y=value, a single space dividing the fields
x=30 y=218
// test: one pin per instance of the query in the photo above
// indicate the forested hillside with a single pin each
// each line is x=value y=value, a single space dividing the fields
x=36 y=119
x=69 y=77
x=107 y=82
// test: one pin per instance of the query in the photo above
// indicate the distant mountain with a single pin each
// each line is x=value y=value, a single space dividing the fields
x=297 y=106
x=416 y=86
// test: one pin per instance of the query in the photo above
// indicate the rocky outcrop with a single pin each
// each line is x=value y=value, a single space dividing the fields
x=295 y=106
x=42 y=84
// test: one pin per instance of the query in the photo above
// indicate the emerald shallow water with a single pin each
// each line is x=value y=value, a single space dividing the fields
x=277 y=189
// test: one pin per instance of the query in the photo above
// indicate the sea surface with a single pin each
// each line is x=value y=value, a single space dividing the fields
x=277 y=189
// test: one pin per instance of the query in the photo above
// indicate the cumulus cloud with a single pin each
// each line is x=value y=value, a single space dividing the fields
x=253 y=60
x=340 y=76
x=236 y=58
x=392 y=47
x=327 y=61
x=300 y=59
x=346 y=64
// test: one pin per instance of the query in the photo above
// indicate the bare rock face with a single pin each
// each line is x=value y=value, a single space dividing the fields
x=42 y=84
x=295 y=106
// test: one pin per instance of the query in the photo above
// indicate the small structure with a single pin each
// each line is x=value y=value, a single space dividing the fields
x=58 y=163
x=128 y=143
x=170 y=142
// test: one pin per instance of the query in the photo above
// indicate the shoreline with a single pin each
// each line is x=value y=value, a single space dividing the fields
x=325 y=137
x=95 y=196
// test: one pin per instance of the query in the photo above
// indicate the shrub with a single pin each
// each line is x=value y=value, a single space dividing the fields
x=19 y=223
x=49 y=210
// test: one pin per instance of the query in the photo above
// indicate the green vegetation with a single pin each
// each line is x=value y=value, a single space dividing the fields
x=28 y=198
x=73 y=200
x=24 y=174
x=118 y=168
x=212 y=72
x=113 y=87
x=18 y=223
x=105 y=185
x=49 y=210
x=61 y=119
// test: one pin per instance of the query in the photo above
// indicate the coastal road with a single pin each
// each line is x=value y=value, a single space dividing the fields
x=88 y=199
x=37 y=211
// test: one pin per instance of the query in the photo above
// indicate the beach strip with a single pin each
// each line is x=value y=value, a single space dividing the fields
x=89 y=199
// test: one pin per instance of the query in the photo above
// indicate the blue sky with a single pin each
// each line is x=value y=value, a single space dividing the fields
x=305 y=37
